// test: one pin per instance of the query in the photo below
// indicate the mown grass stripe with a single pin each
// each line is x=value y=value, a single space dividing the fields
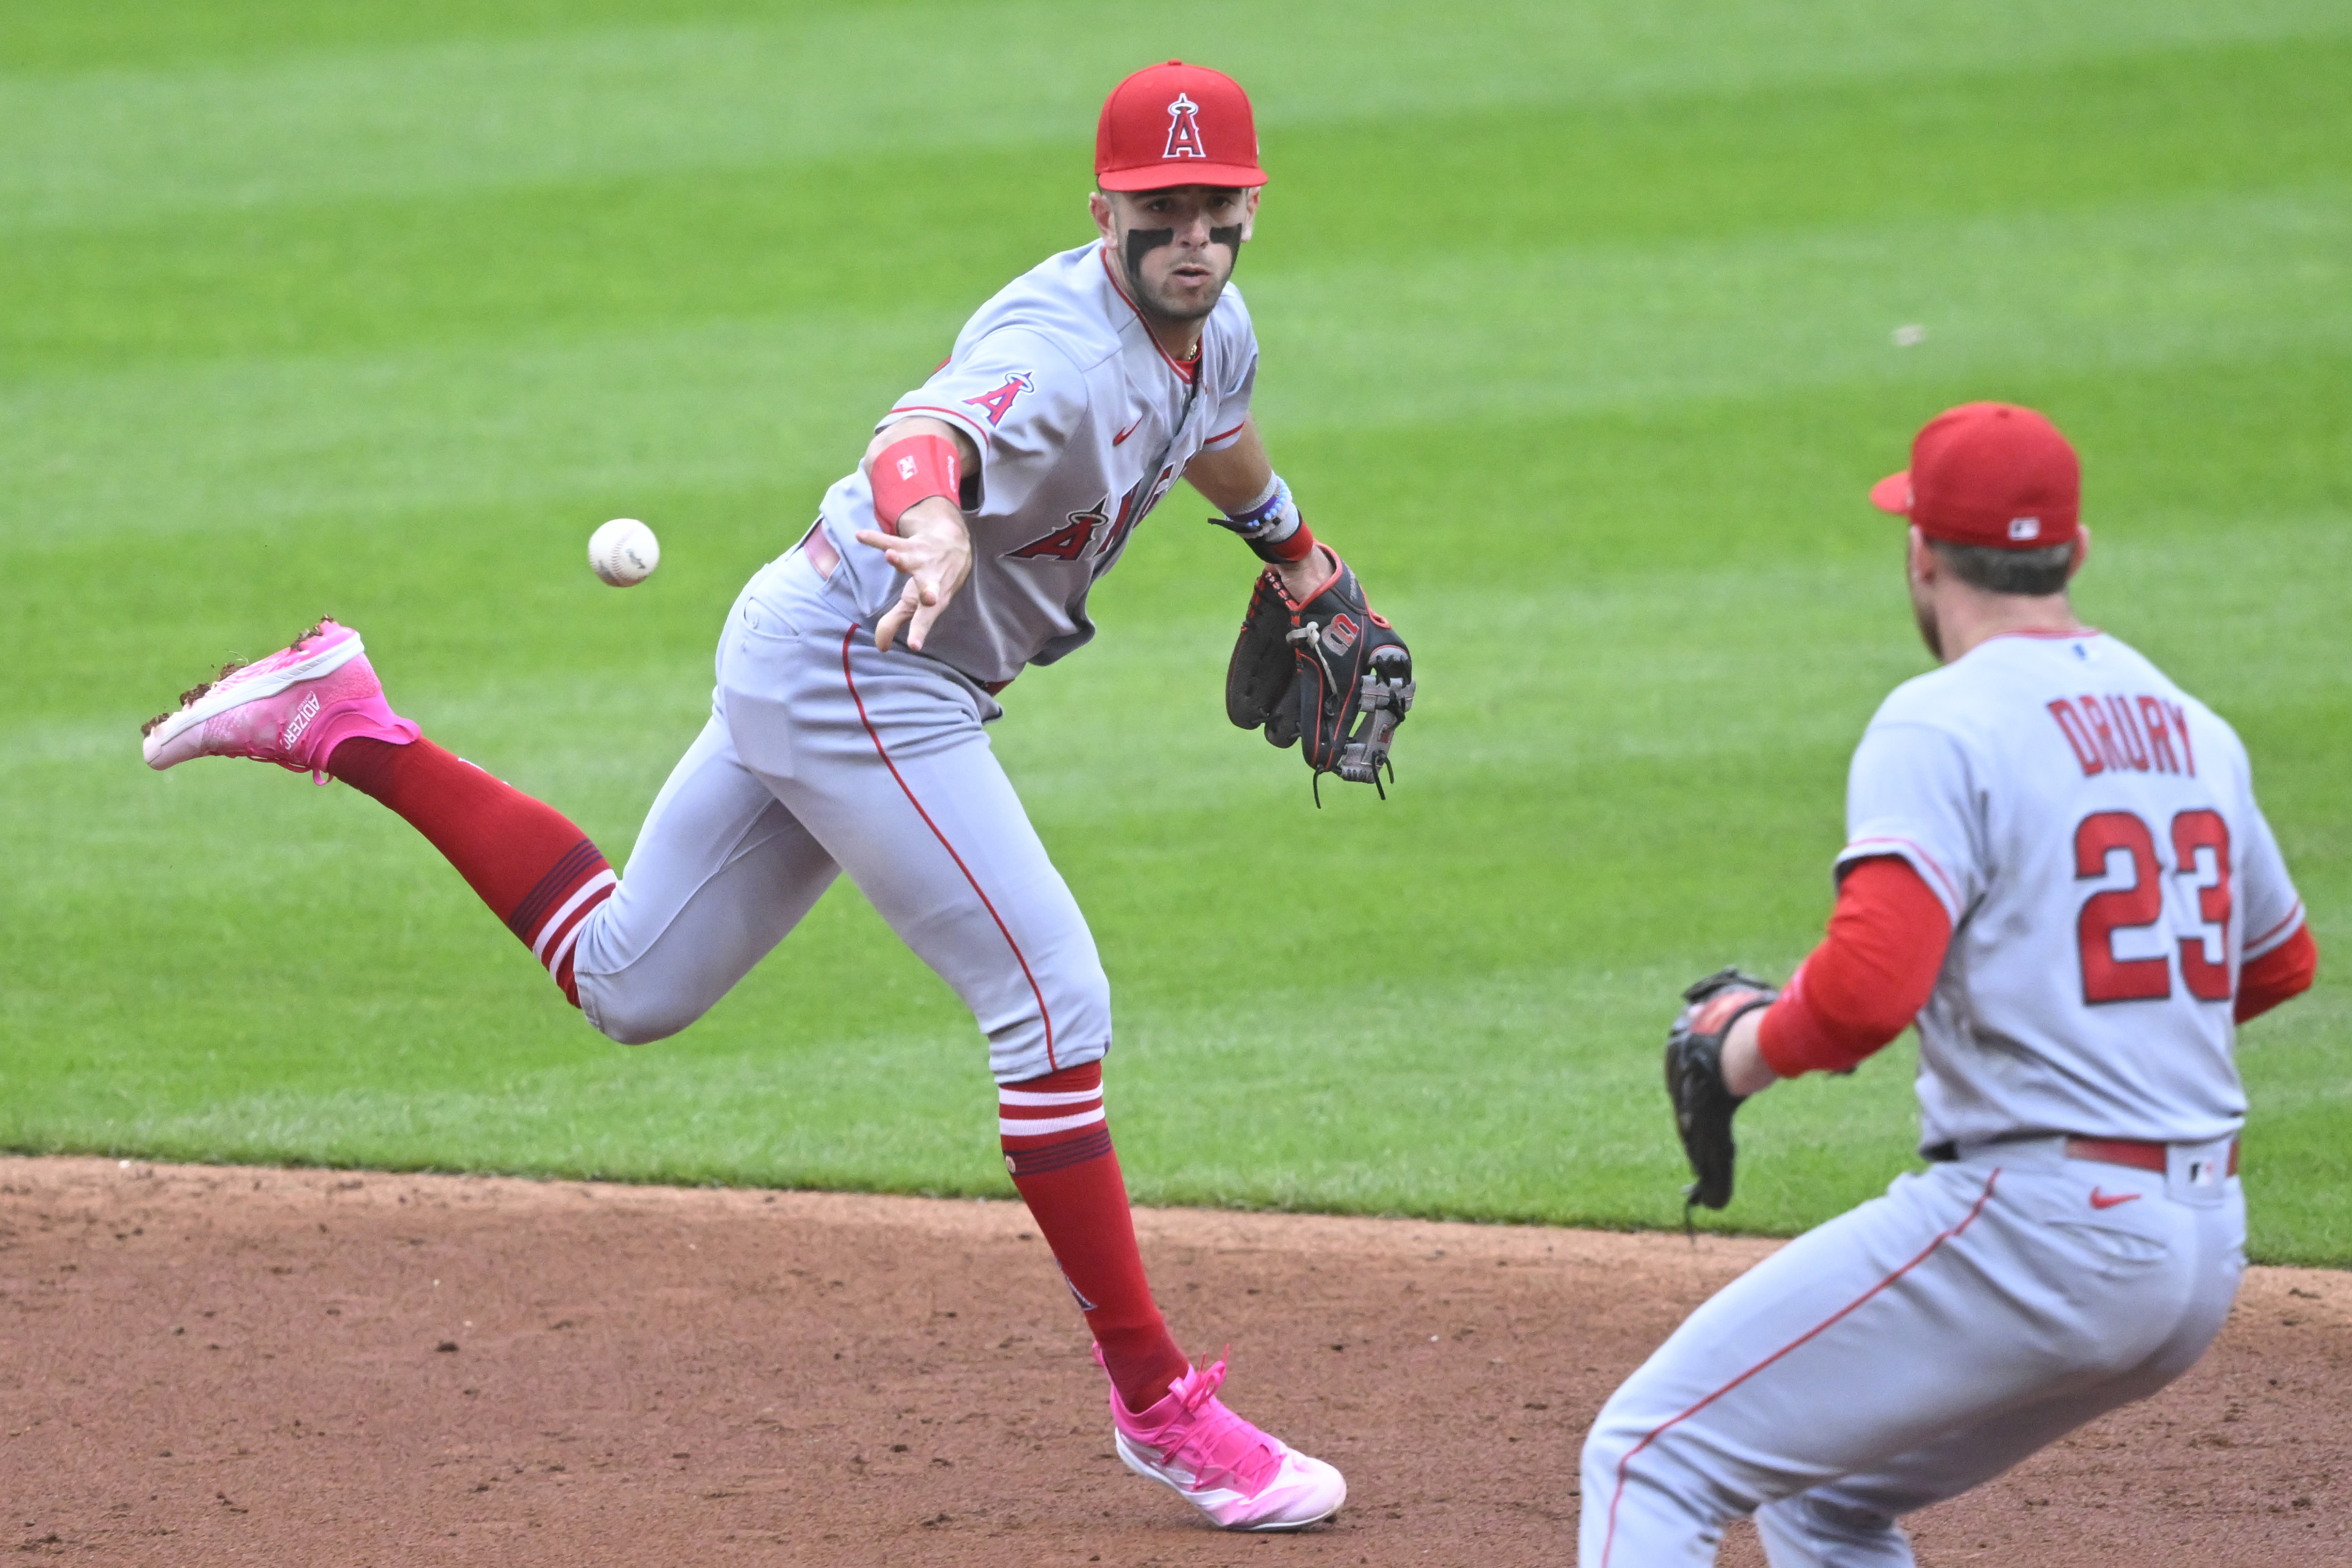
x=99 y=148
x=1574 y=329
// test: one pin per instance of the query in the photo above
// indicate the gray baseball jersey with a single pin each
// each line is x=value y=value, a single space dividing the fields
x=2091 y=829
x=825 y=755
x=1083 y=423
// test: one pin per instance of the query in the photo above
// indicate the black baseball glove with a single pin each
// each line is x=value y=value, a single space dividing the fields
x=1328 y=676
x=1703 y=1106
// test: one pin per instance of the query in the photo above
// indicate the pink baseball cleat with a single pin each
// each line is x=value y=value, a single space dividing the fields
x=1240 y=1477
x=292 y=709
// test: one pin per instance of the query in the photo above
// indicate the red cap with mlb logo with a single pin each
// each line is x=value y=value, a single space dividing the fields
x=1176 y=125
x=1988 y=474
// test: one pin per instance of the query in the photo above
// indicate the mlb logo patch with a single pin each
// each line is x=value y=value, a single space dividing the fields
x=1341 y=636
x=2025 y=528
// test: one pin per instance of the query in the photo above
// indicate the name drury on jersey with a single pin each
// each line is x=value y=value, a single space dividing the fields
x=2133 y=732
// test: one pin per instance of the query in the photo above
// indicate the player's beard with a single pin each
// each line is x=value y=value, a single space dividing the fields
x=1156 y=303
x=1923 y=610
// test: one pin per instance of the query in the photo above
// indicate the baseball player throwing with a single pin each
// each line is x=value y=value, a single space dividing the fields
x=2054 y=864
x=856 y=674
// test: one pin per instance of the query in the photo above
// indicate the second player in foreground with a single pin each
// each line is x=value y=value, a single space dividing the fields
x=2055 y=863
x=854 y=675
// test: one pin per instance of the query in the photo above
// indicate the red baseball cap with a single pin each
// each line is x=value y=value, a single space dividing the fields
x=1988 y=474
x=1176 y=125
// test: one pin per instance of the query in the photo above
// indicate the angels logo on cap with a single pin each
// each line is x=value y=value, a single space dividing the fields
x=1183 y=130
x=1176 y=124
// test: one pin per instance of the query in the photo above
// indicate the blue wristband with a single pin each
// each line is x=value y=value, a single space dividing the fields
x=1267 y=525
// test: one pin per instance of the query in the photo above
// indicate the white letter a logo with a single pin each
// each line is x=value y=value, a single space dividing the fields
x=1184 y=130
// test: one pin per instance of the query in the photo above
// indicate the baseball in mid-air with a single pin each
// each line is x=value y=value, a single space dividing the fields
x=624 y=552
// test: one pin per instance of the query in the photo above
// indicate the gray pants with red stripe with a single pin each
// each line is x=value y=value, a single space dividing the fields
x=1909 y=1350
x=824 y=755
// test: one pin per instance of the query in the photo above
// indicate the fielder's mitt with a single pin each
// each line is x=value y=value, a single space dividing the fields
x=1328 y=676
x=1703 y=1106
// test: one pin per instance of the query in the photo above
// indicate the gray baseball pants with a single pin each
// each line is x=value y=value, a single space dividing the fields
x=1909 y=1350
x=823 y=755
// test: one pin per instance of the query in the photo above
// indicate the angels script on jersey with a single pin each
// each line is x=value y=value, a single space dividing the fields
x=2127 y=734
x=1070 y=542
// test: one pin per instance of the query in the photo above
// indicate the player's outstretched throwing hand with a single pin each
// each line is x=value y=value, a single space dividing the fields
x=933 y=547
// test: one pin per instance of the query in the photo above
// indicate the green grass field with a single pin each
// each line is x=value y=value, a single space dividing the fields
x=1578 y=328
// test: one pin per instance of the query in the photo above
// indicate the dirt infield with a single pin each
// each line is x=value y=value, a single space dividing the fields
x=214 y=1365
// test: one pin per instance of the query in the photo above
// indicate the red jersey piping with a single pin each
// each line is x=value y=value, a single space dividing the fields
x=963 y=419
x=1951 y=893
x=2292 y=916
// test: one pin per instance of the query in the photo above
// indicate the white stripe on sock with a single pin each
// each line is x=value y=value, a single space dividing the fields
x=538 y=942
x=1013 y=1129
x=555 y=960
x=1034 y=1097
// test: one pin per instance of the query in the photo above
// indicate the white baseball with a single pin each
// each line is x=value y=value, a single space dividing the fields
x=624 y=552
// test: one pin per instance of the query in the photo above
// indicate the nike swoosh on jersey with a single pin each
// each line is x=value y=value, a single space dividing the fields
x=2108 y=1200
x=1130 y=429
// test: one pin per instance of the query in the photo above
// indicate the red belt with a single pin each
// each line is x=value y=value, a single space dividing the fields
x=2140 y=1157
x=820 y=552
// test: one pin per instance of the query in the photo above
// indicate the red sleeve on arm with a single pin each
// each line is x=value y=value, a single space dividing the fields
x=1869 y=978
x=2287 y=970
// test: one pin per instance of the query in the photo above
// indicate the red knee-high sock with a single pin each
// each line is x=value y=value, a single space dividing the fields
x=536 y=871
x=1057 y=1146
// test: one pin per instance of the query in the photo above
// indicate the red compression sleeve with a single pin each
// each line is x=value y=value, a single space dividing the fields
x=2287 y=970
x=910 y=469
x=525 y=859
x=1869 y=978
